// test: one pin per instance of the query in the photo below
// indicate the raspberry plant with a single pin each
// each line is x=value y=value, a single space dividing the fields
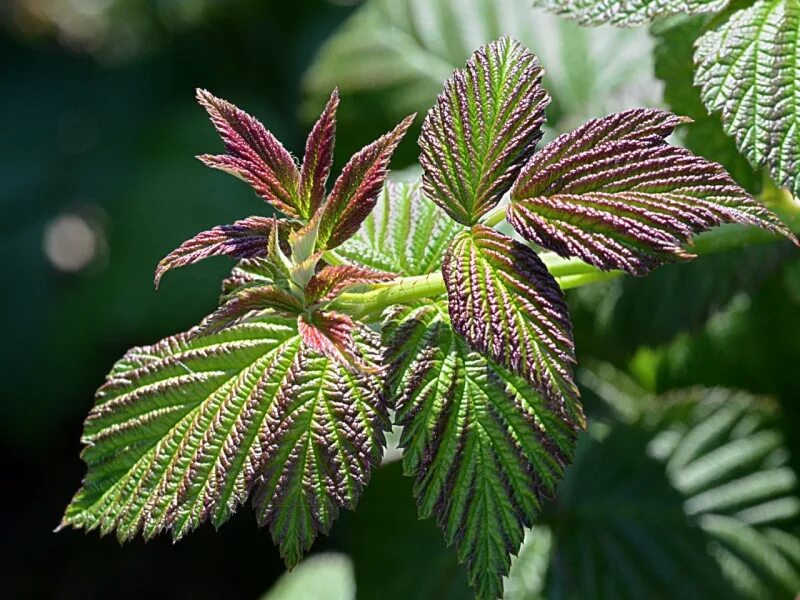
x=338 y=318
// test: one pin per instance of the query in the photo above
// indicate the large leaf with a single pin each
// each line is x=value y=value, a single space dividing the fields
x=627 y=13
x=503 y=300
x=748 y=67
x=183 y=430
x=483 y=445
x=405 y=233
x=616 y=195
x=482 y=129
x=326 y=576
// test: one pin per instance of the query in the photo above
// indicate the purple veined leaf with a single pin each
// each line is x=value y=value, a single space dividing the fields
x=247 y=300
x=331 y=334
x=615 y=194
x=253 y=154
x=318 y=159
x=333 y=280
x=355 y=192
x=246 y=238
x=482 y=129
x=507 y=305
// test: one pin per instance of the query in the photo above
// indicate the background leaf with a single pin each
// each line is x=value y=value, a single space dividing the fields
x=627 y=13
x=327 y=576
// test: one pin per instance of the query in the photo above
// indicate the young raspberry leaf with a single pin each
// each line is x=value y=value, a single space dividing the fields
x=483 y=446
x=405 y=233
x=627 y=13
x=253 y=154
x=356 y=190
x=184 y=429
x=615 y=194
x=245 y=238
x=331 y=334
x=251 y=299
x=318 y=159
x=482 y=129
x=333 y=280
x=505 y=303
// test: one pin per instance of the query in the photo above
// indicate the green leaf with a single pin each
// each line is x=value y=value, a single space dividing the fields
x=748 y=67
x=325 y=576
x=505 y=303
x=627 y=13
x=404 y=234
x=483 y=445
x=616 y=195
x=482 y=129
x=184 y=429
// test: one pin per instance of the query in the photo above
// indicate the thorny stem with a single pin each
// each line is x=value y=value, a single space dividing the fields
x=569 y=273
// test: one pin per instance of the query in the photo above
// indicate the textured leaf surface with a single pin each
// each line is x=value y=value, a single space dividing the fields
x=333 y=280
x=748 y=67
x=184 y=429
x=627 y=13
x=405 y=233
x=483 y=127
x=616 y=195
x=483 y=445
x=356 y=190
x=503 y=300
x=318 y=159
x=249 y=299
x=253 y=154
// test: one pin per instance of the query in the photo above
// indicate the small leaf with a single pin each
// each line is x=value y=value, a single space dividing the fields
x=748 y=67
x=484 y=447
x=333 y=280
x=503 y=300
x=318 y=159
x=483 y=127
x=248 y=300
x=253 y=154
x=246 y=238
x=616 y=195
x=627 y=13
x=331 y=334
x=356 y=190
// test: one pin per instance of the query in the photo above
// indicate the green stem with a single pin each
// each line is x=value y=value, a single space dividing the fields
x=495 y=217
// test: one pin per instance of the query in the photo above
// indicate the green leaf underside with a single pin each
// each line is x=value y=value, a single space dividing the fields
x=506 y=304
x=483 y=445
x=483 y=127
x=183 y=430
x=748 y=67
x=404 y=234
x=615 y=194
x=627 y=13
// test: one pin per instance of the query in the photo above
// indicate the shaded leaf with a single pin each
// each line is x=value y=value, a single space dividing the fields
x=748 y=67
x=318 y=159
x=325 y=576
x=483 y=127
x=356 y=190
x=506 y=304
x=627 y=13
x=616 y=195
x=333 y=280
x=253 y=154
x=483 y=446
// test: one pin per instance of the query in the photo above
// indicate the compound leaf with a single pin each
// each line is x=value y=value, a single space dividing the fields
x=483 y=446
x=506 y=304
x=616 y=195
x=483 y=127
x=748 y=67
x=627 y=13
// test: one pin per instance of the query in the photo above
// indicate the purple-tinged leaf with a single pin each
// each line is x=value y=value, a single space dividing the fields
x=318 y=159
x=253 y=154
x=615 y=194
x=506 y=304
x=482 y=129
x=356 y=190
x=248 y=300
x=245 y=238
x=331 y=334
x=333 y=280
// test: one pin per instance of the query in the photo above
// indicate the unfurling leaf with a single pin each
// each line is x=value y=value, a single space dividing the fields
x=627 y=13
x=506 y=304
x=246 y=238
x=615 y=194
x=748 y=67
x=333 y=280
x=318 y=159
x=484 y=447
x=482 y=129
x=331 y=334
x=248 y=300
x=183 y=430
x=253 y=154
x=356 y=190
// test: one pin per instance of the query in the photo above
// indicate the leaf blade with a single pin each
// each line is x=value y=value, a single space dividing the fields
x=318 y=159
